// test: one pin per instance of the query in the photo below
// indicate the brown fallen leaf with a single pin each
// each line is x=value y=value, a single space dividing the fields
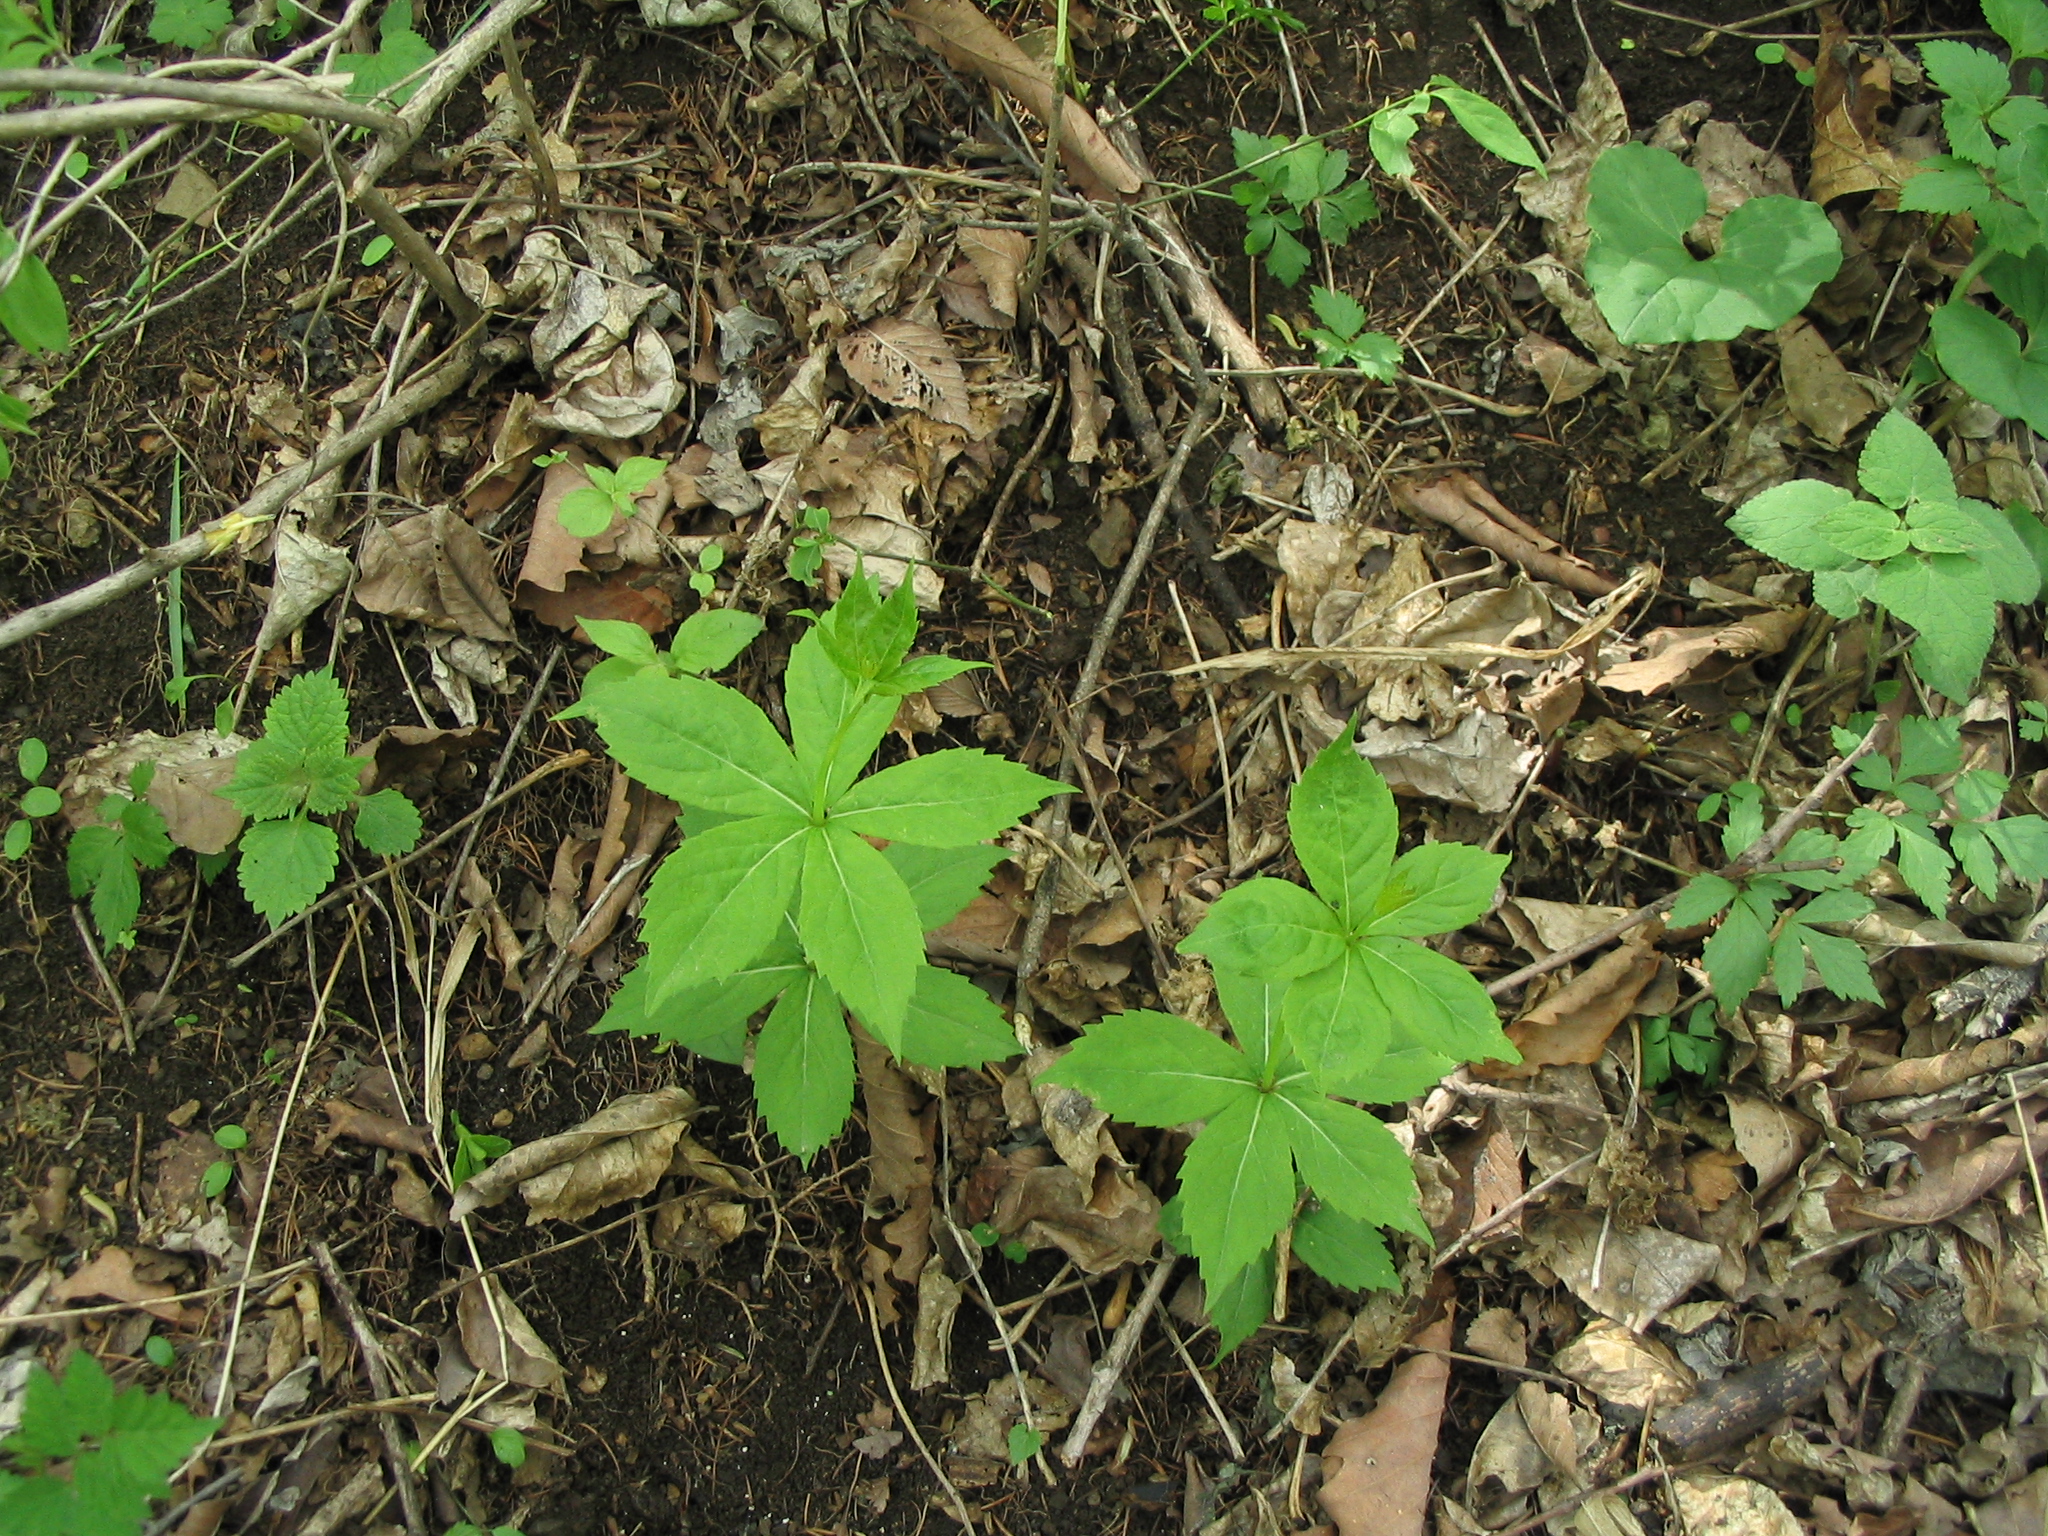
x=908 y=365
x=1376 y=1469
x=1572 y=1024
x=1623 y=1367
x=1852 y=94
x=1564 y=373
x=371 y=1130
x=619 y=1153
x=191 y=770
x=513 y=1352
x=902 y=1126
x=420 y=759
x=111 y=1277
x=1819 y=391
x=1463 y=505
x=1104 y=1227
x=1675 y=654
x=968 y=40
x=938 y=1299
x=998 y=256
x=1710 y=1504
x=411 y=1196
x=434 y=569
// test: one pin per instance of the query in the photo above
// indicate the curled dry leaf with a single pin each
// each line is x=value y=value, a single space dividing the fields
x=1100 y=1227
x=1376 y=1470
x=998 y=256
x=1640 y=1273
x=1557 y=195
x=1851 y=93
x=370 y=1129
x=1710 y=1504
x=619 y=1153
x=969 y=40
x=1673 y=655
x=908 y=365
x=1572 y=1024
x=513 y=1352
x=938 y=1298
x=1564 y=373
x=306 y=572
x=434 y=569
x=1623 y=1367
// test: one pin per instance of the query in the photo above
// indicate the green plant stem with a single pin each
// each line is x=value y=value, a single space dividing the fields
x=1872 y=644
x=1177 y=70
x=174 y=586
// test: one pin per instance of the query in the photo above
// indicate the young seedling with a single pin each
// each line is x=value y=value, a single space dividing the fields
x=1775 y=251
x=1327 y=992
x=401 y=54
x=105 y=858
x=777 y=895
x=473 y=1153
x=704 y=579
x=1342 y=341
x=1939 y=561
x=299 y=770
x=192 y=24
x=13 y=418
x=31 y=761
x=1391 y=129
x=1776 y=53
x=807 y=548
x=2033 y=721
x=589 y=510
x=88 y=1460
x=1288 y=183
x=1695 y=1048
x=707 y=641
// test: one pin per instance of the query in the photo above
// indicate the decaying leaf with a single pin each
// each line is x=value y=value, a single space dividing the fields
x=111 y=1276
x=1572 y=1024
x=1674 y=655
x=1713 y=1505
x=1557 y=196
x=908 y=365
x=1376 y=1470
x=1101 y=1227
x=501 y=1342
x=619 y=1153
x=191 y=770
x=1624 y=1367
x=1478 y=762
x=434 y=569
x=998 y=256
x=938 y=1298
x=1632 y=1276
x=1564 y=373
x=307 y=572
x=192 y=195
x=1819 y=392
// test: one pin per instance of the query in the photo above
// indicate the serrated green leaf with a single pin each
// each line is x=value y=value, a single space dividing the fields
x=387 y=823
x=1836 y=907
x=860 y=929
x=1736 y=955
x=1923 y=862
x=865 y=635
x=1286 y=257
x=1864 y=530
x=948 y=799
x=1336 y=1019
x=1253 y=1008
x=1784 y=523
x=1436 y=888
x=953 y=1023
x=918 y=673
x=1343 y=1250
x=1237 y=1184
x=1775 y=251
x=1942 y=529
x=1843 y=593
x=711 y=1018
x=833 y=725
x=89 y=848
x=717 y=902
x=1971 y=78
x=2022 y=23
x=711 y=639
x=1240 y=1302
x=2022 y=841
x=1700 y=898
x=1345 y=827
x=803 y=1067
x=1350 y=1159
x=1843 y=966
x=285 y=865
x=1900 y=464
x=1154 y=1069
x=1984 y=355
x=1271 y=929
x=400 y=52
x=700 y=744
x=1974 y=856
x=942 y=881
x=1343 y=314
x=1947 y=598
x=144 y=838
x=1436 y=1003
x=189 y=23
x=1401 y=1074
x=1944 y=186
x=1928 y=748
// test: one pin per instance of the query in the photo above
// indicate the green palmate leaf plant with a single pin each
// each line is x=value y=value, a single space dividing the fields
x=1330 y=997
x=1774 y=252
x=1939 y=561
x=778 y=894
x=1342 y=341
x=589 y=510
x=1694 y=1047
x=88 y=1460
x=401 y=53
x=301 y=770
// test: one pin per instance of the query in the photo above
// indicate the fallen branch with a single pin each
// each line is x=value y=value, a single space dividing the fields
x=1463 y=505
x=378 y=1369
x=236 y=97
x=269 y=499
x=1110 y=1369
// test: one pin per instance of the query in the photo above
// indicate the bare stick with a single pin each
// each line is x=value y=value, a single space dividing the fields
x=1202 y=1384
x=1753 y=858
x=379 y=1371
x=529 y=124
x=1012 y=485
x=245 y=96
x=1109 y=1371
x=270 y=499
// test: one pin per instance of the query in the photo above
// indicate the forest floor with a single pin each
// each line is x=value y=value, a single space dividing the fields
x=1830 y=1279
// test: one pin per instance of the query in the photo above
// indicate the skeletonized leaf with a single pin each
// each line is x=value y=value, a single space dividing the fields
x=908 y=365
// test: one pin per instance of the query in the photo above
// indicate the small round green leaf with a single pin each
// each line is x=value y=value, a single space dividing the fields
x=376 y=250
x=509 y=1446
x=1770 y=53
x=160 y=1352
x=231 y=1138
x=41 y=801
x=31 y=758
x=14 y=842
x=214 y=1182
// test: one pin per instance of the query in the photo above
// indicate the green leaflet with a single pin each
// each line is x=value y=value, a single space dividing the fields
x=943 y=799
x=1253 y=1007
x=1268 y=928
x=1238 y=1304
x=942 y=881
x=1155 y=1069
x=834 y=725
x=953 y=1023
x=711 y=1018
x=860 y=928
x=1436 y=888
x=1338 y=1019
x=1350 y=1159
x=700 y=744
x=1238 y=1178
x=1435 y=1002
x=1775 y=251
x=1736 y=955
x=387 y=823
x=803 y=1067
x=717 y=901
x=285 y=865
x=1344 y=825
x=1344 y=1251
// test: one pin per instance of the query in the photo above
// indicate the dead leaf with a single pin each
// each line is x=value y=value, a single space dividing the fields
x=938 y=1298
x=795 y=419
x=1101 y=1227
x=421 y=759
x=1819 y=392
x=1852 y=92
x=908 y=365
x=1641 y=1272
x=371 y=1129
x=998 y=256
x=191 y=770
x=192 y=195
x=1712 y=1505
x=111 y=1277
x=1624 y=1367
x=1498 y=1335
x=1771 y=1138
x=1376 y=1469
x=1564 y=373
x=513 y=1353
x=434 y=569
x=1674 y=655
x=412 y=1197
x=969 y=40
x=1572 y=1024
x=307 y=572
x=1477 y=763
x=1557 y=195
x=619 y=1153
